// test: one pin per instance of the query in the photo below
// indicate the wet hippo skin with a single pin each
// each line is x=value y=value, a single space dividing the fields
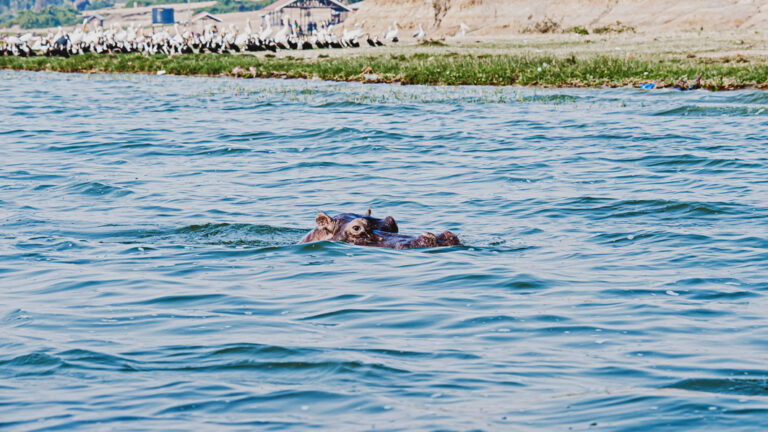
x=365 y=230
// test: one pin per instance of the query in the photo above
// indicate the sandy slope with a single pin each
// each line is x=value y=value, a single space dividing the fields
x=504 y=17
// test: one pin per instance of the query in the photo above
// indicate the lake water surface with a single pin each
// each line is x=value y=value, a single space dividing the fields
x=615 y=273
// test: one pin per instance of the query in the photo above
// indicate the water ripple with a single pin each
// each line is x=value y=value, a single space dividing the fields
x=613 y=260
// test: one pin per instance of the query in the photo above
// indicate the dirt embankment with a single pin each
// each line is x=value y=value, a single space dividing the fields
x=504 y=17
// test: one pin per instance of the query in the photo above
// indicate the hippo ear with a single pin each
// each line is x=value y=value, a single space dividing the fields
x=323 y=220
x=389 y=225
x=368 y=212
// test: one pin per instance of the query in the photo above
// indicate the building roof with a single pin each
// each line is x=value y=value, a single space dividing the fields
x=89 y=18
x=305 y=4
x=204 y=15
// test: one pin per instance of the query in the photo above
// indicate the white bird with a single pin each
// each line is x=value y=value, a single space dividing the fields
x=463 y=29
x=242 y=38
x=177 y=39
x=248 y=30
x=357 y=32
x=392 y=33
x=282 y=35
x=421 y=34
x=121 y=35
x=267 y=32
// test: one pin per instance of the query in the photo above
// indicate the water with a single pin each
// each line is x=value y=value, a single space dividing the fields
x=614 y=275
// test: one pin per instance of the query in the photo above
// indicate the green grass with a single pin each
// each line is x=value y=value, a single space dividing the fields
x=424 y=68
x=619 y=27
x=580 y=30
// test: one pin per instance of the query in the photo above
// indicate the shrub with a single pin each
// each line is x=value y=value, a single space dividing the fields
x=580 y=30
x=547 y=25
x=619 y=27
x=50 y=16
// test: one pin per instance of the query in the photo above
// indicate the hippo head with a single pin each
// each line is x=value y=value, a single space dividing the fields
x=364 y=230
x=361 y=233
x=358 y=231
x=328 y=228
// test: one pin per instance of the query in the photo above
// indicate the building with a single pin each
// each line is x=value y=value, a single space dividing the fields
x=95 y=19
x=306 y=14
x=204 y=17
x=163 y=16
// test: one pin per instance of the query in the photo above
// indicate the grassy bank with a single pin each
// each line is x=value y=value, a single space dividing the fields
x=446 y=68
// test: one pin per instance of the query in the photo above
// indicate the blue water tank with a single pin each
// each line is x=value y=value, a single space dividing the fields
x=162 y=16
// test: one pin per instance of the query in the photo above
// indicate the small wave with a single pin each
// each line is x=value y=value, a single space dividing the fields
x=184 y=300
x=326 y=367
x=85 y=359
x=99 y=189
x=748 y=97
x=287 y=400
x=242 y=234
x=340 y=104
x=689 y=160
x=346 y=132
x=714 y=111
x=15 y=131
x=33 y=364
x=143 y=239
x=219 y=151
x=722 y=289
x=345 y=313
x=138 y=249
x=272 y=359
x=698 y=281
x=249 y=350
x=482 y=321
x=737 y=386
x=250 y=137
x=315 y=165
x=521 y=283
x=648 y=237
x=33 y=359
x=434 y=355
x=525 y=282
x=26 y=175
x=610 y=208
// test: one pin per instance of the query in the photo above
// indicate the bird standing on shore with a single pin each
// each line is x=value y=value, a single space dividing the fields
x=171 y=41
x=267 y=31
x=392 y=33
x=421 y=34
x=463 y=29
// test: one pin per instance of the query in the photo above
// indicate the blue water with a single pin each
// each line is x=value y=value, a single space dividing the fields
x=614 y=276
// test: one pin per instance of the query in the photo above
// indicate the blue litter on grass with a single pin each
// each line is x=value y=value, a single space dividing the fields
x=647 y=86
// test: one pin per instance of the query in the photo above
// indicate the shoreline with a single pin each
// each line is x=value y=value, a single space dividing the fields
x=719 y=61
x=533 y=70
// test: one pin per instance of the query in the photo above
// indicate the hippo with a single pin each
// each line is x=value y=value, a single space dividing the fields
x=365 y=230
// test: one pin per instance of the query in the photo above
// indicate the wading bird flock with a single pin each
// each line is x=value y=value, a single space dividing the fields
x=116 y=39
